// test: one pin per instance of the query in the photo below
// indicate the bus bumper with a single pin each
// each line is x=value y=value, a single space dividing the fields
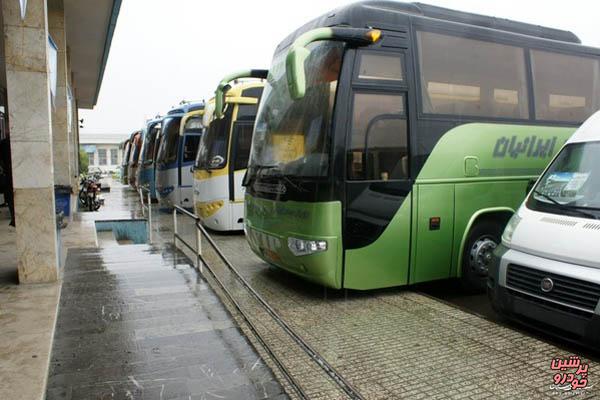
x=532 y=309
x=217 y=215
x=270 y=224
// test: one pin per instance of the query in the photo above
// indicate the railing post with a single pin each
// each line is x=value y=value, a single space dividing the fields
x=149 y=218
x=142 y=200
x=198 y=247
x=175 y=227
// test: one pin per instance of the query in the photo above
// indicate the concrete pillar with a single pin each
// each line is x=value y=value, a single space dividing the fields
x=28 y=87
x=61 y=148
x=75 y=150
x=73 y=131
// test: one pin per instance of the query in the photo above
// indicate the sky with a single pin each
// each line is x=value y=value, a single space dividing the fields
x=166 y=51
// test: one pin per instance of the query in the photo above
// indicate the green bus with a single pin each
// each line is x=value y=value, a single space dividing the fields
x=394 y=141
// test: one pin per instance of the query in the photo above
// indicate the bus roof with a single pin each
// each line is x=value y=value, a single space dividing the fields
x=151 y=122
x=589 y=131
x=185 y=108
x=385 y=14
x=238 y=87
x=133 y=134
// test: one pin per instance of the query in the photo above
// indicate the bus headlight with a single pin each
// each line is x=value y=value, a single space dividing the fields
x=301 y=247
x=510 y=229
x=209 y=209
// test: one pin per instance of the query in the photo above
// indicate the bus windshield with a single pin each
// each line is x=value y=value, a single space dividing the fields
x=167 y=152
x=572 y=183
x=149 y=142
x=134 y=153
x=126 y=153
x=212 y=153
x=193 y=125
x=293 y=136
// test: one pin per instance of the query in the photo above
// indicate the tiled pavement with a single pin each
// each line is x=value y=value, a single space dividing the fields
x=138 y=323
x=398 y=344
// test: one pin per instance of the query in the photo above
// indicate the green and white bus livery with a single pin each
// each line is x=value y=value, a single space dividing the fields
x=394 y=141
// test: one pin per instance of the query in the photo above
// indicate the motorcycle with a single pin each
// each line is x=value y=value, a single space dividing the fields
x=89 y=193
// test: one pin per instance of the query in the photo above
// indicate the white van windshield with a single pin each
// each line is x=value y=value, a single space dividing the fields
x=572 y=183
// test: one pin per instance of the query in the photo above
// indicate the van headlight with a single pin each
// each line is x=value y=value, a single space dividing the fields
x=302 y=247
x=510 y=229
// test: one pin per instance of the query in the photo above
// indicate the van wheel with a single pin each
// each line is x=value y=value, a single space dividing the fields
x=483 y=239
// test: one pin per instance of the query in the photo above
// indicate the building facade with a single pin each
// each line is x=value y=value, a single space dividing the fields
x=103 y=151
x=52 y=59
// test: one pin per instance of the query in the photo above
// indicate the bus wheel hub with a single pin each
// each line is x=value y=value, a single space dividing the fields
x=481 y=255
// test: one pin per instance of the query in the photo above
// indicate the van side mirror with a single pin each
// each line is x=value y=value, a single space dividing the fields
x=530 y=186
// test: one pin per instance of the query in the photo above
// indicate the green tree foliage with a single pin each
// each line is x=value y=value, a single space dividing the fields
x=84 y=161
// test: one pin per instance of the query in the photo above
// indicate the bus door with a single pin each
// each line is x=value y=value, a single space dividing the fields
x=189 y=148
x=377 y=224
x=240 y=153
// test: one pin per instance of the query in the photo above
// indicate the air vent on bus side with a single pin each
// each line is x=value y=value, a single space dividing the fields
x=558 y=221
x=595 y=227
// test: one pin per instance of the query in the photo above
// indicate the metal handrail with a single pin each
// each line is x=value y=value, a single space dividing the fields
x=338 y=378
x=176 y=236
x=147 y=207
x=304 y=345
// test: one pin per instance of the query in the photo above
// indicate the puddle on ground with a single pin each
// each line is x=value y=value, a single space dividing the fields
x=122 y=232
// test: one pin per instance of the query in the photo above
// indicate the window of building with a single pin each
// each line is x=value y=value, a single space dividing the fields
x=565 y=96
x=101 y=156
x=243 y=137
x=377 y=66
x=469 y=77
x=114 y=157
x=378 y=145
x=91 y=158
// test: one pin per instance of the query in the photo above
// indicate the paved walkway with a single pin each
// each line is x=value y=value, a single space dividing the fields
x=138 y=322
x=28 y=315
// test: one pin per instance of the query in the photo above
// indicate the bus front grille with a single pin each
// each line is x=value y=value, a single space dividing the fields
x=567 y=291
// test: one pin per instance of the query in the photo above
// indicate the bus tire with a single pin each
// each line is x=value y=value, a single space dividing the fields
x=483 y=238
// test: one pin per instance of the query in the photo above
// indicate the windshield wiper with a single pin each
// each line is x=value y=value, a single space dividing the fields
x=260 y=168
x=547 y=197
x=278 y=174
x=576 y=209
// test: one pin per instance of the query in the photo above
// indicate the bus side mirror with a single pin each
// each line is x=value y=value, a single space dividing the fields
x=220 y=99
x=224 y=86
x=294 y=70
x=298 y=53
x=245 y=179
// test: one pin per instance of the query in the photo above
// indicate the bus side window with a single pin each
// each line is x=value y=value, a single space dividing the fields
x=243 y=142
x=190 y=147
x=378 y=145
x=561 y=96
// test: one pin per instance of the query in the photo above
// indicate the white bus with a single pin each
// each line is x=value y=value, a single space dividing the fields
x=223 y=153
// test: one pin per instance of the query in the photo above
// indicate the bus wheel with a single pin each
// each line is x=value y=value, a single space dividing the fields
x=483 y=239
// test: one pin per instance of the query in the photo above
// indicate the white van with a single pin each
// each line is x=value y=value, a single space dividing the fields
x=546 y=272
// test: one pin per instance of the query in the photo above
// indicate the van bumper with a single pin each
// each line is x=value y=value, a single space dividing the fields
x=536 y=312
